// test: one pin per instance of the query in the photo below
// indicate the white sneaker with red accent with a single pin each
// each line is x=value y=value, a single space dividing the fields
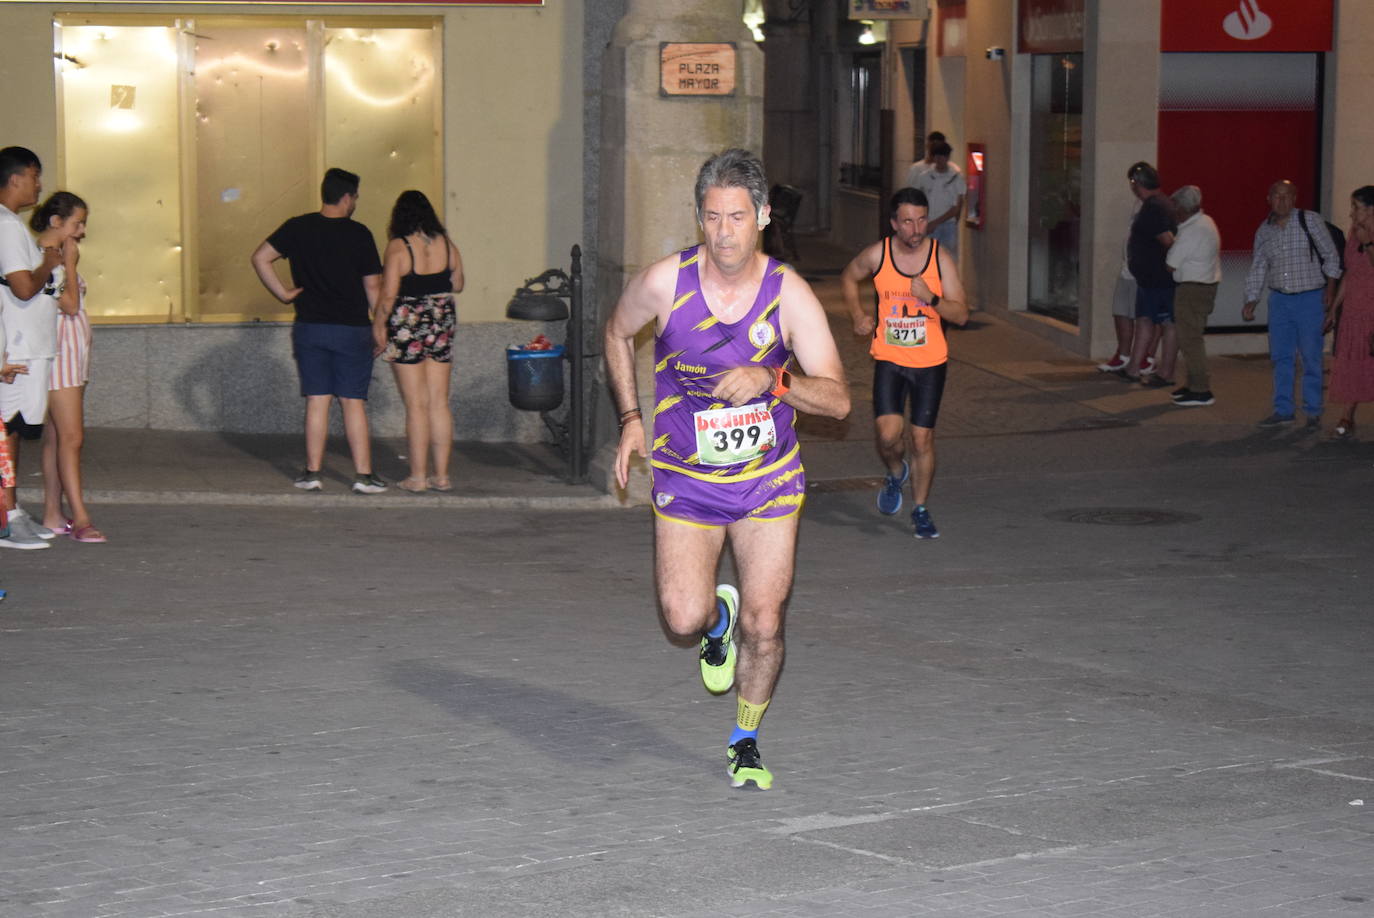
x=1118 y=362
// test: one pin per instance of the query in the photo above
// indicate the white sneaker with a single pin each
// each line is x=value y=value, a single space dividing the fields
x=1118 y=362
x=1148 y=367
x=25 y=527
x=24 y=544
x=368 y=484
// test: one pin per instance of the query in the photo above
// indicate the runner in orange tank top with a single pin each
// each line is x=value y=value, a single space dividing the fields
x=918 y=289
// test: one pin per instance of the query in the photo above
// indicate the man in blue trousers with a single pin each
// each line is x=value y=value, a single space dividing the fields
x=1296 y=260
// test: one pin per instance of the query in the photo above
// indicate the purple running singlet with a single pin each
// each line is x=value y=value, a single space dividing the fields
x=714 y=464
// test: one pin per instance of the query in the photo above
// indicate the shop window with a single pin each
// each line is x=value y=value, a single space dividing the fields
x=861 y=158
x=193 y=139
x=1055 y=183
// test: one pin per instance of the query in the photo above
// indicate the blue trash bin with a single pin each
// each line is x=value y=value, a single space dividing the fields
x=535 y=378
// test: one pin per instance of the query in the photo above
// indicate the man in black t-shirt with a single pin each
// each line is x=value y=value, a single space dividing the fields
x=1152 y=232
x=337 y=275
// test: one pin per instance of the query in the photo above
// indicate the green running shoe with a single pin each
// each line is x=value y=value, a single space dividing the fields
x=747 y=765
x=718 y=654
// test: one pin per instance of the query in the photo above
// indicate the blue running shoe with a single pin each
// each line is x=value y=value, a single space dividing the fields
x=890 y=497
x=925 y=526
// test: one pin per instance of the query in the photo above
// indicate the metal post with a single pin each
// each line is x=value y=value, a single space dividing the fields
x=577 y=464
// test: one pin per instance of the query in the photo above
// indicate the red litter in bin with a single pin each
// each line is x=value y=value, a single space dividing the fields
x=539 y=343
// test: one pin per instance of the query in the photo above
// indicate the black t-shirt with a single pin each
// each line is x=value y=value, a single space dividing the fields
x=1144 y=254
x=329 y=258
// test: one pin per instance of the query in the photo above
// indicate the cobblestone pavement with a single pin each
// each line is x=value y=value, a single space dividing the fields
x=1132 y=678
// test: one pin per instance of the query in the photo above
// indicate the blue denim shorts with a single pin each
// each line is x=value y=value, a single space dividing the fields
x=1155 y=304
x=333 y=359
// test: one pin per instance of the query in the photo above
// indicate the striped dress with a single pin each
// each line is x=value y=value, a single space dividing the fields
x=72 y=366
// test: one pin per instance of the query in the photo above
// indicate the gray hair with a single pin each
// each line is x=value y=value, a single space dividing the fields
x=733 y=168
x=1188 y=199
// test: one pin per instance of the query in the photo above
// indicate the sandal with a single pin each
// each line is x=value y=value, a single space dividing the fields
x=440 y=484
x=413 y=485
x=1345 y=427
x=87 y=533
x=64 y=529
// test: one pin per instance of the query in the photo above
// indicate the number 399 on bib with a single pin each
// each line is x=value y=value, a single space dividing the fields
x=727 y=436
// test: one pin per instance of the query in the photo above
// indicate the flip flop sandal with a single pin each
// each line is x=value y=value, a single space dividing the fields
x=87 y=534
x=410 y=484
x=64 y=529
x=440 y=484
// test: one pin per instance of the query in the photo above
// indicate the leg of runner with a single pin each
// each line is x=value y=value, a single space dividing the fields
x=765 y=554
x=685 y=560
x=892 y=451
x=923 y=449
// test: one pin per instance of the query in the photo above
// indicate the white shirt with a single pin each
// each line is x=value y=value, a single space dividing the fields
x=943 y=189
x=31 y=325
x=1195 y=254
x=918 y=169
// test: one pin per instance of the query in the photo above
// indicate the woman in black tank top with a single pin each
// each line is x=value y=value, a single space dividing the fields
x=413 y=329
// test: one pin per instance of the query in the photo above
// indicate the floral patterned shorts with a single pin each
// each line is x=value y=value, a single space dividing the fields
x=421 y=327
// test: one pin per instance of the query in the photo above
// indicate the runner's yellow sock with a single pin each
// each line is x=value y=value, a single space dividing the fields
x=747 y=719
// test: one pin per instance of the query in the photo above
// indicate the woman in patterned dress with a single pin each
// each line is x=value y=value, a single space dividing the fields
x=61 y=221
x=413 y=330
x=1352 y=371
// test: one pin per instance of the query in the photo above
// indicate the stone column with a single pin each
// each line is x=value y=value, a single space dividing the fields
x=651 y=148
x=1120 y=127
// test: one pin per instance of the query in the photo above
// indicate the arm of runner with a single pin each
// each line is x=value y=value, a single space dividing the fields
x=263 y=257
x=647 y=294
x=386 y=299
x=806 y=331
x=952 y=307
x=864 y=265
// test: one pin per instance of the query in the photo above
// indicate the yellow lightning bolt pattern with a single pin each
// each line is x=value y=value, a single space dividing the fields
x=667 y=403
x=784 y=478
x=787 y=500
x=663 y=364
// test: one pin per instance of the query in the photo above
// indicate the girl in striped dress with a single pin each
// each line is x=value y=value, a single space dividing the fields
x=61 y=221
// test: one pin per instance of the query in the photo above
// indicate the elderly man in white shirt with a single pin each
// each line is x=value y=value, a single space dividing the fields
x=1195 y=258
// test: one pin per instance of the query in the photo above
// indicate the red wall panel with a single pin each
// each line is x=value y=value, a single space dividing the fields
x=1234 y=156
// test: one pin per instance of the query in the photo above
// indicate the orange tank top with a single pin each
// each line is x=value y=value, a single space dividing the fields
x=909 y=332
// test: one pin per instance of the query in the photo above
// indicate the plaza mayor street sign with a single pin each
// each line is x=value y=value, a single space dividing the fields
x=697 y=68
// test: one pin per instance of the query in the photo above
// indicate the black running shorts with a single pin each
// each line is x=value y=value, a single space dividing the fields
x=892 y=384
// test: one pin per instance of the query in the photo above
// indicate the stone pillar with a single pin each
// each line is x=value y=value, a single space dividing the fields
x=651 y=148
x=1120 y=127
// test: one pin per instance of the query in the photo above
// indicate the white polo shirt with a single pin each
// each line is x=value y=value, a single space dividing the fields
x=943 y=189
x=30 y=325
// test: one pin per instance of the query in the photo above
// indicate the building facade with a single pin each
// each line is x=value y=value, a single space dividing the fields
x=1046 y=103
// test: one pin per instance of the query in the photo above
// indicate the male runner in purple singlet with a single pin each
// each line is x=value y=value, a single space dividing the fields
x=732 y=327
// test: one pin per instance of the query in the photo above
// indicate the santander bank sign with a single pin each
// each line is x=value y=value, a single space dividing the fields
x=1246 y=25
x=1247 y=22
